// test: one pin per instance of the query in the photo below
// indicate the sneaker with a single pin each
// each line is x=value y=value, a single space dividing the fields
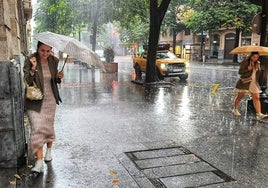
x=236 y=112
x=38 y=167
x=261 y=116
x=48 y=156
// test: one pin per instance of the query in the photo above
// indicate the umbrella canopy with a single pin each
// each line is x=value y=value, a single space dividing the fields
x=71 y=47
x=263 y=51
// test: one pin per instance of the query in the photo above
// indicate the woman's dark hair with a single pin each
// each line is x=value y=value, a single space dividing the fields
x=39 y=44
x=254 y=53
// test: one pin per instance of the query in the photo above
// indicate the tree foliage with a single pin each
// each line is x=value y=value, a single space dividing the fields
x=133 y=19
x=210 y=14
x=55 y=16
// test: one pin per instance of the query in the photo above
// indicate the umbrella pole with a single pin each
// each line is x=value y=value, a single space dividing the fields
x=64 y=63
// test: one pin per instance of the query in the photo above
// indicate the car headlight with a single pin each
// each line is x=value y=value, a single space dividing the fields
x=187 y=64
x=163 y=66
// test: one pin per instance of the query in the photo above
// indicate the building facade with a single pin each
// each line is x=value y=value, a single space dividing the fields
x=15 y=27
x=215 y=44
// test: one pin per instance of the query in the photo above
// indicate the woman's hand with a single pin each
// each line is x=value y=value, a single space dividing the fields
x=60 y=75
x=34 y=63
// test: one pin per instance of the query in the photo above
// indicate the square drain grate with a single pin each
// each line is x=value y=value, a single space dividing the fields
x=175 y=167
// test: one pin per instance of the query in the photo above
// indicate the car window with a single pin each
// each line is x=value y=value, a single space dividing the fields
x=165 y=55
x=162 y=55
x=144 y=55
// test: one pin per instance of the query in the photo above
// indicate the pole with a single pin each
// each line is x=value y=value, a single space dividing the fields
x=201 y=46
x=264 y=24
x=263 y=42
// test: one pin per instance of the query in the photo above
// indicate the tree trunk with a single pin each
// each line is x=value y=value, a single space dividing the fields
x=174 y=33
x=157 y=14
x=79 y=35
x=95 y=27
x=237 y=37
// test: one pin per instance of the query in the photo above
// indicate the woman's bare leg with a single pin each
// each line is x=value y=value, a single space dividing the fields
x=238 y=99
x=256 y=102
x=39 y=154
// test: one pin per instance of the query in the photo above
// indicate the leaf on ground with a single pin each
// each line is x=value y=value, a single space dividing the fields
x=12 y=182
x=17 y=176
x=192 y=155
x=113 y=172
x=116 y=181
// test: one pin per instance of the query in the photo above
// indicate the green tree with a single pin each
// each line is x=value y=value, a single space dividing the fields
x=133 y=19
x=148 y=11
x=212 y=15
x=80 y=11
x=137 y=32
x=97 y=12
x=172 y=23
x=55 y=16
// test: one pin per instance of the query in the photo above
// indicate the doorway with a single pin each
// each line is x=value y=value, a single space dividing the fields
x=229 y=45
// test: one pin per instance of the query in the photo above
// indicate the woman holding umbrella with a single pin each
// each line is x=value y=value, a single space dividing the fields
x=248 y=83
x=41 y=69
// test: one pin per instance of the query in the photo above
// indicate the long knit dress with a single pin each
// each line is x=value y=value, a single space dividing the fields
x=42 y=123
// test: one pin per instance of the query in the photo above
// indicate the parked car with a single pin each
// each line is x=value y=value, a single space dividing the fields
x=167 y=65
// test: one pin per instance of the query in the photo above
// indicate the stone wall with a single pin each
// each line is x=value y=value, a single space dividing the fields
x=14 y=25
x=12 y=135
x=14 y=21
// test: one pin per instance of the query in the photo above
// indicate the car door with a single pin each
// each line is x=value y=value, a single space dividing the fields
x=143 y=62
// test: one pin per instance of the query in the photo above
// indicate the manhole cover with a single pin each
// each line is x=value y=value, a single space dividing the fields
x=176 y=167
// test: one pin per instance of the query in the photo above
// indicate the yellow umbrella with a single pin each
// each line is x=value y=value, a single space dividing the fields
x=263 y=51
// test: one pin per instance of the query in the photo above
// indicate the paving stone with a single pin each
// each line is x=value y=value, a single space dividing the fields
x=192 y=180
x=166 y=161
x=176 y=170
x=158 y=153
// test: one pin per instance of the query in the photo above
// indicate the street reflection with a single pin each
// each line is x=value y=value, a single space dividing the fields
x=184 y=106
x=160 y=101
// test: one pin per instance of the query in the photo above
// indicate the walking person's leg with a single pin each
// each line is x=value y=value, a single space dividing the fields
x=256 y=102
x=48 y=156
x=38 y=167
x=237 y=101
x=257 y=105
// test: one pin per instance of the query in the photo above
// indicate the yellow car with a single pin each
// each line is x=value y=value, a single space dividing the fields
x=167 y=65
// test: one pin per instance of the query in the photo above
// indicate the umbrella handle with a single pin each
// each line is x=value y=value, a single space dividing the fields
x=64 y=63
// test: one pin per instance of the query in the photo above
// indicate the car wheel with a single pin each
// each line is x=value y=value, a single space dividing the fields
x=138 y=72
x=160 y=76
x=183 y=77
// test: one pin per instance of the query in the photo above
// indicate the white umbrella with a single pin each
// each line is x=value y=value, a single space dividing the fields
x=71 y=47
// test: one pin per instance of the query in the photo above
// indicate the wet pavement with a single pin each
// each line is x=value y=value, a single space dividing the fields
x=114 y=133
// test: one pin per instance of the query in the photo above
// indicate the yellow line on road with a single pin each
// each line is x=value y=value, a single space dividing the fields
x=215 y=88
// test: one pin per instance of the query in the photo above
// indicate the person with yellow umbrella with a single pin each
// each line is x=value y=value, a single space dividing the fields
x=249 y=72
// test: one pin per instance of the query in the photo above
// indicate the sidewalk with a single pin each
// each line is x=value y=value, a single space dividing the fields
x=113 y=133
x=217 y=62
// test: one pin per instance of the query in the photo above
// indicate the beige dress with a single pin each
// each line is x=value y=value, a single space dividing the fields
x=42 y=123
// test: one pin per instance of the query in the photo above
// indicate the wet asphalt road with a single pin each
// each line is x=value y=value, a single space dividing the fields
x=104 y=115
